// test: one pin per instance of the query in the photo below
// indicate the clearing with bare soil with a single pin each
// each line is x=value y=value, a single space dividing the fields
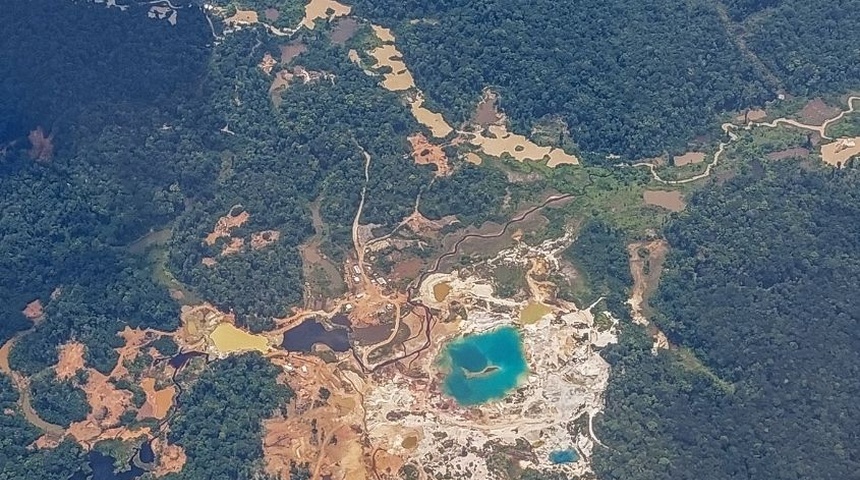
x=689 y=158
x=426 y=153
x=816 y=112
x=671 y=200
x=323 y=9
x=234 y=219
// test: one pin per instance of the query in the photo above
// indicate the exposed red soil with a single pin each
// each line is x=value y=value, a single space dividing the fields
x=235 y=246
x=158 y=402
x=425 y=153
x=227 y=223
x=171 y=458
x=408 y=269
x=71 y=359
x=108 y=403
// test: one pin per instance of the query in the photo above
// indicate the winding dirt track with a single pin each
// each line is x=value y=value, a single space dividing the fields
x=23 y=386
x=728 y=129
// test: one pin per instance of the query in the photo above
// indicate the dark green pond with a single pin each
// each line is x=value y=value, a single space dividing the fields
x=485 y=366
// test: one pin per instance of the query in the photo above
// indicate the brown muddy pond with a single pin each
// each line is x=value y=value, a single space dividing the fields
x=441 y=291
x=671 y=200
x=343 y=30
x=372 y=335
x=486 y=113
x=311 y=332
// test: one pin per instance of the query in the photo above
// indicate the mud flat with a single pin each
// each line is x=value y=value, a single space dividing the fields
x=399 y=79
x=319 y=9
x=499 y=142
x=671 y=200
x=434 y=121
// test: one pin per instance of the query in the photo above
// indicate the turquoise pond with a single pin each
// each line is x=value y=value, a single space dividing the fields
x=563 y=456
x=485 y=366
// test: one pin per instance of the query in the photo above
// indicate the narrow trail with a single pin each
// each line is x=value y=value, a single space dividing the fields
x=729 y=130
x=356 y=241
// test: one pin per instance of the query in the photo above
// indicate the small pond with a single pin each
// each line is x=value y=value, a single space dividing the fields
x=310 y=332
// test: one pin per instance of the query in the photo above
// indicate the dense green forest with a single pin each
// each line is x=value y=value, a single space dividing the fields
x=757 y=295
x=634 y=79
x=600 y=257
x=219 y=423
x=628 y=78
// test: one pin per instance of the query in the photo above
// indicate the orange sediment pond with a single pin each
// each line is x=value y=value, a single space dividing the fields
x=228 y=339
x=158 y=402
x=441 y=291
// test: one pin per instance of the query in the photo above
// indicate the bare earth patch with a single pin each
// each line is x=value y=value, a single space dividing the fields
x=171 y=458
x=671 y=200
x=499 y=141
x=41 y=147
x=399 y=78
x=271 y=14
x=71 y=359
x=226 y=223
x=260 y=240
x=234 y=247
x=317 y=9
x=242 y=17
x=34 y=310
x=434 y=121
x=689 y=158
x=268 y=63
x=838 y=152
x=107 y=402
x=425 y=153
x=473 y=158
x=158 y=402
x=816 y=112
x=292 y=50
